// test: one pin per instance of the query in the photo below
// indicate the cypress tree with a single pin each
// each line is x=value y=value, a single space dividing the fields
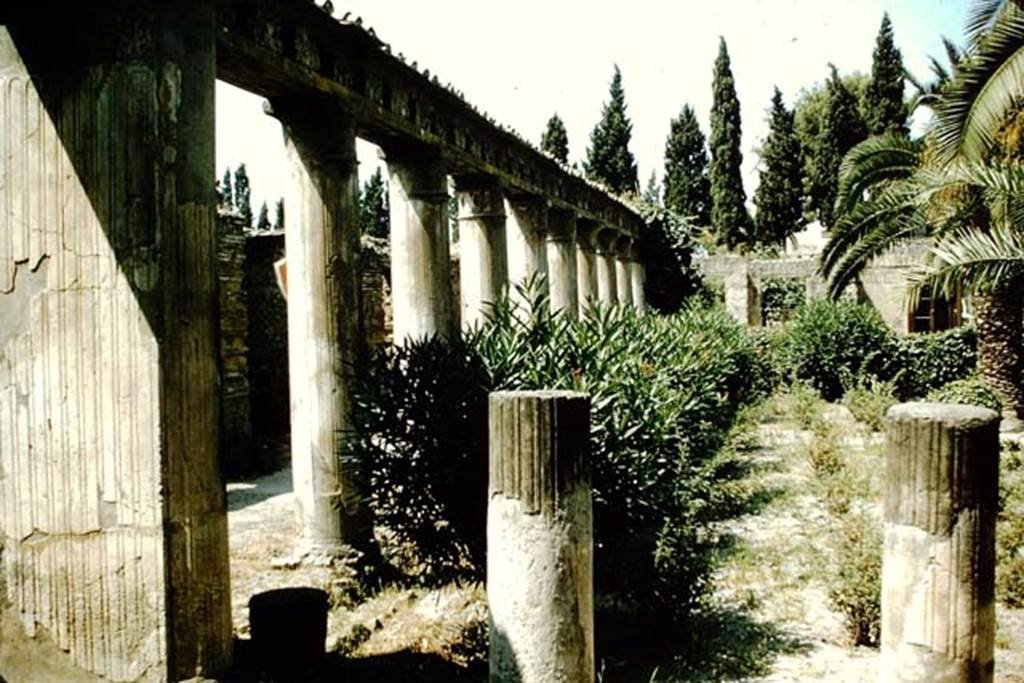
x=779 y=196
x=886 y=111
x=652 y=192
x=842 y=128
x=243 y=207
x=609 y=160
x=373 y=207
x=263 y=222
x=687 y=189
x=729 y=217
x=225 y=194
x=279 y=214
x=555 y=140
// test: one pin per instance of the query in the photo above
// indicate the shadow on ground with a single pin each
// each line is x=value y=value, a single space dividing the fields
x=397 y=666
x=723 y=644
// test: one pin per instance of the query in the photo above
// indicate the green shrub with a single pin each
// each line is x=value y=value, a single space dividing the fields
x=868 y=399
x=802 y=403
x=823 y=450
x=856 y=585
x=780 y=297
x=1010 y=527
x=929 y=361
x=972 y=391
x=664 y=391
x=828 y=343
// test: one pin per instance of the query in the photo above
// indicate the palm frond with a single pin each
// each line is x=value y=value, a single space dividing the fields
x=900 y=227
x=972 y=260
x=980 y=18
x=873 y=162
x=953 y=53
x=986 y=86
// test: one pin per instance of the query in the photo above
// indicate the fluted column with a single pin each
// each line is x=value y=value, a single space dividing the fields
x=623 y=279
x=586 y=262
x=938 y=560
x=540 y=538
x=526 y=221
x=561 y=256
x=421 y=298
x=322 y=244
x=606 y=279
x=637 y=277
x=483 y=269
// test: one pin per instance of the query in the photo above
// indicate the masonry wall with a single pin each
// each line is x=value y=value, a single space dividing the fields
x=233 y=348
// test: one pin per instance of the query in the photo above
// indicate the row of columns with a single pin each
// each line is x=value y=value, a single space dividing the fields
x=505 y=239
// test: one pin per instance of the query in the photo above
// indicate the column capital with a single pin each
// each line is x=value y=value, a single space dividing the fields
x=605 y=239
x=479 y=197
x=561 y=225
x=424 y=177
x=587 y=230
x=303 y=119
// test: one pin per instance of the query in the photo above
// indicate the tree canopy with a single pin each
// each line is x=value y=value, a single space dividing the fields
x=609 y=160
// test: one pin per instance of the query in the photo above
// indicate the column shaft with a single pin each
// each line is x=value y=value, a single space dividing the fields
x=606 y=277
x=561 y=255
x=483 y=269
x=540 y=538
x=525 y=230
x=586 y=264
x=941 y=499
x=623 y=280
x=421 y=298
x=636 y=280
x=322 y=244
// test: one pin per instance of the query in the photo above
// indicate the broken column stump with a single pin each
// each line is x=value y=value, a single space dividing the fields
x=938 y=581
x=540 y=538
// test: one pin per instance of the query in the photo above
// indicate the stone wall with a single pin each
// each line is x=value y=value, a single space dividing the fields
x=233 y=317
x=883 y=284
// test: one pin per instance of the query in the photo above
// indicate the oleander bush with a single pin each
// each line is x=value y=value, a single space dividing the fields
x=665 y=391
x=780 y=298
x=828 y=343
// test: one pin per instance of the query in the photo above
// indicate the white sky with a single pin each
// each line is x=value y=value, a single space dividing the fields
x=522 y=61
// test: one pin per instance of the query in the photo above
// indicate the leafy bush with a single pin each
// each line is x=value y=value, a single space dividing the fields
x=1010 y=527
x=664 y=392
x=929 y=361
x=868 y=399
x=856 y=588
x=422 y=415
x=972 y=391
x=828 y=343
x=780 y=297
x=803 y=403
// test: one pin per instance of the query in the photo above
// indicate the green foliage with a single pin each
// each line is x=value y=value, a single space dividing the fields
x=868 y=399
x=609 y=160
x=225 y=191
x=687 y=188
x=263 y=222
x=829 y=343
x=652 y=192
x=843 y=128
x=779 y=195
x=729 y=218
x=1010 y=526
x=856 y=587
x=929 y=361
x=803 y=403
x=665 y=391
x=666 y=249
x=555 y=140
x=886 y=111
x=373 y=207
x=242 y=195
x=279 y=214
x=780 y=297
x=972 y=391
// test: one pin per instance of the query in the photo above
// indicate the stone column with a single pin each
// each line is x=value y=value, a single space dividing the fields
x=483 y=269
x=586 y=262
x=637 y=277
x=322 y=244
x=421 y=297
x=526 y=222
x=112 y=506
x=941 y=499
x=623 y=278
x=561 y=252
x=607 y=281
x=540 y=538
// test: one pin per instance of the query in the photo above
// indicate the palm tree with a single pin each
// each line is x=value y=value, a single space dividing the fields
x=950 y=187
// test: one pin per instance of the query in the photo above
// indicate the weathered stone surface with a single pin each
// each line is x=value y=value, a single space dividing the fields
x=233 y=331
x=526 y=225
x=540 y=538
x=941 y=499
x=110 y=492
x=586 y=264
x=607 y=282
x=623 y=279
x=561 y=257
x=483 y=264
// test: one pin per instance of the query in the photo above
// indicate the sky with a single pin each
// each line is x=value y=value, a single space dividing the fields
x=523 y=61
